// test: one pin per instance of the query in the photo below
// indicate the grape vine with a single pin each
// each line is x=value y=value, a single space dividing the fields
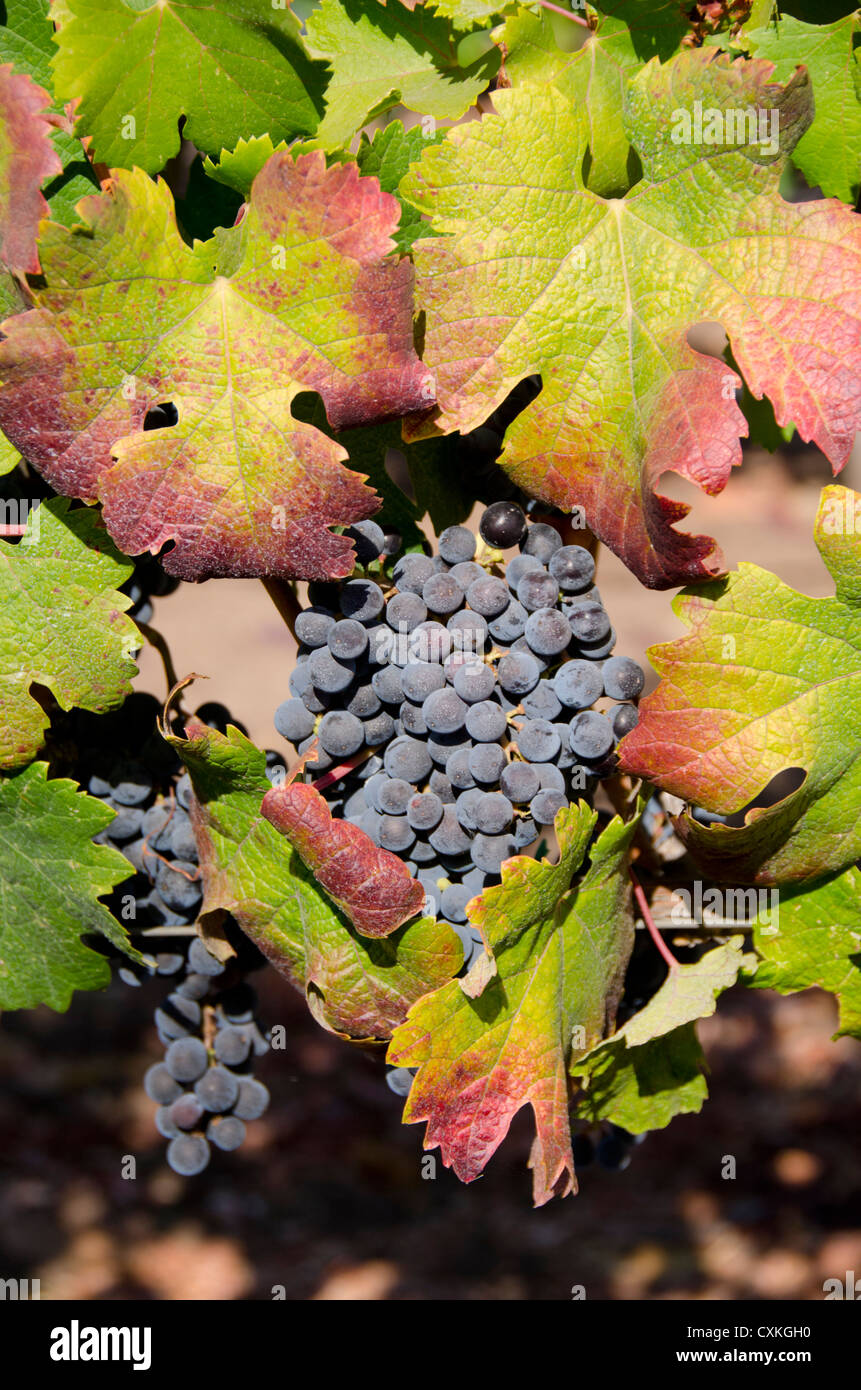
x=413 y=372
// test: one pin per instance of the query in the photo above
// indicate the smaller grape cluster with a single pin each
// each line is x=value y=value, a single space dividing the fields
x=205 y=1088
x=453 y=699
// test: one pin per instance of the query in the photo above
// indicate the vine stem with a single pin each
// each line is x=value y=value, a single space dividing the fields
x=643 y=905
x=285 y=601
x=557 y=9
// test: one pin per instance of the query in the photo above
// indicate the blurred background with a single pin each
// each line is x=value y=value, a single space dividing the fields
x=327 y=1198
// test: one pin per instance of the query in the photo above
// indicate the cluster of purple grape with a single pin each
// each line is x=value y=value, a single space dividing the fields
x=459 y=695
x=204 y=1088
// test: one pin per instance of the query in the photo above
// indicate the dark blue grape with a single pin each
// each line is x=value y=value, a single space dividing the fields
x=578 y=684
x=405 y=611
x=573 y=568
x=392 y=796
x=369 y=540
x=396 y=834
x=379 y=729
x=412 y=572
x=456 y=544
x=420 y=679
x=442 y=594
x=424 y=811
x=623 y=678
x=160 y=1086
x=488 y=596
x=347 y=640
x=188 y=1154
x=444 y=711
x=293 y=721
x=474 y=681
x=510 y=624
x=502 y=525
x=186 y=1059
x=547 y=632
x=545 y=805
x=457 y=770
x=217 y=1089
x=488 y=852
x=465 y=572
x=591 y=735
x=589 y=621
x=341 y=734
x=486 y=762
x=362 y=599
x=624 y=718
x=542 y=702
x=252 y=1100
x=328 y=673
x=232 y=1045
x=226 y=1132
x=538 y=741
x=518 y=673
x=453 y=902
x=520 y=782
x=313 y=626
x=493 y=813
x=486 y=721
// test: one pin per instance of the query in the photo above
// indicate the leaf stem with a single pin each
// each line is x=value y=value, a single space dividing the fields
x=341 y=770
x=643 y=905
x=557 y=9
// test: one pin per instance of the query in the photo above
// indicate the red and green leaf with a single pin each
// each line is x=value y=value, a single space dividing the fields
x=766 y=680
x=503 y=1038
x=301 y=295
x=371 y=886
x=27 y=159
x=536 y=273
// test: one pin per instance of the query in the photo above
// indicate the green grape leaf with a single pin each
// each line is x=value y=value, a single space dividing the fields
x=380 y=58
x=829 y=154
x=442 y=488
x=643 y=1088
x=657 y=27
x=27 y=159
x=766 y=680
x=814 y=939
x=302 y=294
x=387 y=157
x=9 y=456
x=651 y=1069
x=503 y=1038
x=538 y=274
x=26 y=41
x=238 y=168
x=465 y=14
x=51 y=877
x=592 y=77
x=231 y=71
x=62 y=624
x=358 y=986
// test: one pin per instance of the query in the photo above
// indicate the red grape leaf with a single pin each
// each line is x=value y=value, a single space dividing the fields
x=766 y=680
x=27 y=159
x=561 y=948
x=302 y=294
x=372 y=886
x=536 y=273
